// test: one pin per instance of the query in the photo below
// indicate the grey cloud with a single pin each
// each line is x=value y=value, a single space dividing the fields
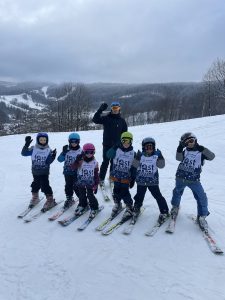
x=110 y=41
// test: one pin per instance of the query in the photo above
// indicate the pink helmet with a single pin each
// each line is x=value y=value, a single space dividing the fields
x=89 y=147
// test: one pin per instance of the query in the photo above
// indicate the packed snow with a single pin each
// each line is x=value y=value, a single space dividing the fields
x=43 y=261
x=10 y=99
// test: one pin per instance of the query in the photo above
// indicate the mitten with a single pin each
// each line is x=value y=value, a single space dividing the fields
x=158 y=153
x=65 y=149
x=28 y=141
x=54 y=153
x=138 y=155
x=79 y=157
x=132 y=182
x=180 y=147
x=95 y=189
x=200 y=148
x=103 y=106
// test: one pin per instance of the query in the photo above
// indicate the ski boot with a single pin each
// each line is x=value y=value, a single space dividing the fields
x=50 y=202
x=34 y=201
x=162 y=218
x=174 y=212
x=69 y=202
x=79 y=210
x=136 y=212
x=117 y=206
x=202 y=223
x=128 y=213
x=93 y=213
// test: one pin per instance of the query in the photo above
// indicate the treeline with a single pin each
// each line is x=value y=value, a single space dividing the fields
x=70 y=106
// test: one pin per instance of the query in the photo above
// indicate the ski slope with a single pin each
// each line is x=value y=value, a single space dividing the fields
x=44 y=261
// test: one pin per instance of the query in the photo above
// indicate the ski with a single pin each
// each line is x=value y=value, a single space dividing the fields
x=28 y=209
x=172 y=222
x=108 y=220
x=104 y=194
x=38 y=214
x=152 y=231
x=109 y=230
x=208 y=238
x=128 y=230
x=60 y=212
x=90 y=219
x=67 y=221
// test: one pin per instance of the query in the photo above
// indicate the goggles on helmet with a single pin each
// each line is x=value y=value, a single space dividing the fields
x=89 y=152
x=74 y=141
x=148 y=146
x=191 y=140
x=126 y=141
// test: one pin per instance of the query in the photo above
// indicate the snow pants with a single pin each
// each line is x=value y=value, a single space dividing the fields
x=198 y=192
x=41 y=182
x=155 y=191
x=70 y=185
x=121 y=192
x=86 y=196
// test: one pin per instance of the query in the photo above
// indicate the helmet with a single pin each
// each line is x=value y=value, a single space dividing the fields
x=74 y=136
x=115 y=103
x=41 y=134
x=126 y=135
x=148 y=140
x=88 y=147
x=186 y=136
x=115 y=106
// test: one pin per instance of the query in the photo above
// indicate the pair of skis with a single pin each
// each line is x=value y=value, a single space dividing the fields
x=109 y=230
x=67 y=221
x=28 y=209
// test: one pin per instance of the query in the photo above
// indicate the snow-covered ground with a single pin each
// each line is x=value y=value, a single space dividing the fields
x=44 y=261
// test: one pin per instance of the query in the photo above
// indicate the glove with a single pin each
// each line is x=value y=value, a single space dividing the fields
x=103 y=106
x=65 y=149
x=200 y=148
x=79 y=157
x=54 y=153
x=28 y=141
x=180 y=147
x=95 y=189
x=138 y=155
x=111 y=153
x=158 y=152
x=132 y=182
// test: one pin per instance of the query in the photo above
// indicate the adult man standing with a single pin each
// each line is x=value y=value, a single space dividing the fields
x=113 y=126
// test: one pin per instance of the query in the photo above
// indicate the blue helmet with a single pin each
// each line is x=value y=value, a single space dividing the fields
x=74 y=137
x=115 y=103
x=42 y=134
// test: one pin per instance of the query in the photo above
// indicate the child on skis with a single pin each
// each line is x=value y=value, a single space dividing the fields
x=87 y=180
x=41 y=156
x=145 y=171
x=68 y=156
x=123 y=156
x=192 y=157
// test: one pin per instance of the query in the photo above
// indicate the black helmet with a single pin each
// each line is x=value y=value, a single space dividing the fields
x=148 y=140
x=187 y=136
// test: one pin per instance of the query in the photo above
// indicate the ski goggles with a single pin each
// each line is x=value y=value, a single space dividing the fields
x=89 y=152
x=148 y=146
x=126 y=141
x=74 y=141
x=191 y=140
x=115 y=108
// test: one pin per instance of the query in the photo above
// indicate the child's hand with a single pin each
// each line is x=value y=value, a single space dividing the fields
x=54 y=153
x=65 y=149
x=199 y=148
x=28 y=141
x=79 y=157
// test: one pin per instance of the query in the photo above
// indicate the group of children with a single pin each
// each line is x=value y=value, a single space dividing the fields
x=81 y=174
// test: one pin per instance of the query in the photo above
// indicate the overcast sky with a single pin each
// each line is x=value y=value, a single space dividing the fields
x=130 y=41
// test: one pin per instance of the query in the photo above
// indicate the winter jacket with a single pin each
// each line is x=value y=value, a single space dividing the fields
x=69 y=158
x=145 y=168
x=192 y=161
x=122 y=161
x=113 y=126
x=87 y=171
x=41 y=157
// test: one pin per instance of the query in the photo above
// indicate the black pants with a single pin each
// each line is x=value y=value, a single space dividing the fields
x=41 y=182
x=121 y=192
x=105 y=163
x=86 y=196
x=70 y=185
x=154 y=189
